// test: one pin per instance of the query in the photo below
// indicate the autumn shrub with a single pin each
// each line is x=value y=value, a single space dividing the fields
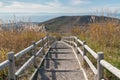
x=3 y=56
x=102 y=37
x=16 y=41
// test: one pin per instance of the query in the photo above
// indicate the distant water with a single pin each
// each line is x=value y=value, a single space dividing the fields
x=25 y=17
x=36 y=17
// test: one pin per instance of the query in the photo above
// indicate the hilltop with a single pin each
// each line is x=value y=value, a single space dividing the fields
x=66 y=23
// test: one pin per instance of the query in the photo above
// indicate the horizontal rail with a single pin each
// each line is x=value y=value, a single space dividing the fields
x=39 y=51
x=41 y=40
x=34 y=73
x=45 y=44
x=4 y=64
x=41 y=61
x=28 y=62
x=79 y=50
x=74 y=37
x=11 y=61
x=110 y=68
x=99 y=57
x=85 y=57
x=79 y=41
x=71 y=42
x=24 y=66
x=91 y=51
x=19 y=54
x=87 y=48
x=92 y=67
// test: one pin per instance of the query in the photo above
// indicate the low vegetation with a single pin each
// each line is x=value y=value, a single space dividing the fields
x=12 y=40
x=64 y=24
x=102 y=37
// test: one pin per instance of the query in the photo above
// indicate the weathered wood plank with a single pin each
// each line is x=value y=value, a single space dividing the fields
x=94 y=54
x=65 y=64
x=92 y=67
x=4 y=64
x=111 y=68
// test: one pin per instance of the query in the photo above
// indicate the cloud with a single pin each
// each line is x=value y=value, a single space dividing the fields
x=23 y=7
x=79 y=2
x=54 y=3
x=16 y=6
x=53 y=6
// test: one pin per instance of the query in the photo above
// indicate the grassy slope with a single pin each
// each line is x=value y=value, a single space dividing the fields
x=15 y=41
x=63 y=23
x=103 y=37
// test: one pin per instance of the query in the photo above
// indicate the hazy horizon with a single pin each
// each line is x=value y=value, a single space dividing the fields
x=42 y=10
x=40 y=17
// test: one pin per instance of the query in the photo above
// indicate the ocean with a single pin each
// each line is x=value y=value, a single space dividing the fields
x=37 y=17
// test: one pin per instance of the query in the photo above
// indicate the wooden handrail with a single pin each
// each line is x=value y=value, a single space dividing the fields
x=74 y=41
x=93 y=53
x=24 y=66
x=91 y=65
x=10 y=62
x=101 y=63
x=110 y=68
x=19 y=54
x=4 y=64
x=40 y=64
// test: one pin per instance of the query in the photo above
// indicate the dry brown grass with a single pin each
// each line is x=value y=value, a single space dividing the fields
x=103 y=37
x=16 y=41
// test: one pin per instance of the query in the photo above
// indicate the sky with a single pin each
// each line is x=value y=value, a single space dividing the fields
x=42 y=10
x=59 y=6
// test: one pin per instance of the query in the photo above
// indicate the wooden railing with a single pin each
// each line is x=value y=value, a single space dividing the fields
x=74 y=41
x=10 y=63
x=99 y=57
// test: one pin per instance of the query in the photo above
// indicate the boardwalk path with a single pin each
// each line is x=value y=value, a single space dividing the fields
x=61 y=64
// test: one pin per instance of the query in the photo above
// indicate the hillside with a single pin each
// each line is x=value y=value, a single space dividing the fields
x=66 y=23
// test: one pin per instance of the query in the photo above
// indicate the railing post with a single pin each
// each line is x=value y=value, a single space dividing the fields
x=100 y=74
x=43 y=46
x=84 y=54
x=71 y=40
x=34 y=54
x=47 y=41
x=11 y=67
x=75 y=40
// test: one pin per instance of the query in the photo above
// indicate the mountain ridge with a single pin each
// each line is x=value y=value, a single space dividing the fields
x=66 y=23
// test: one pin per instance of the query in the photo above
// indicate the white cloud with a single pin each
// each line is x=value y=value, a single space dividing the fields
x=50 y=7
x=30 y=7
x=54 y=3
x=79 y=2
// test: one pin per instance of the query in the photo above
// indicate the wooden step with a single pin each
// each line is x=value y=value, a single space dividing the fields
x=57 y=59
x=61 y=70
x=60 y=52
x=60 y=48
